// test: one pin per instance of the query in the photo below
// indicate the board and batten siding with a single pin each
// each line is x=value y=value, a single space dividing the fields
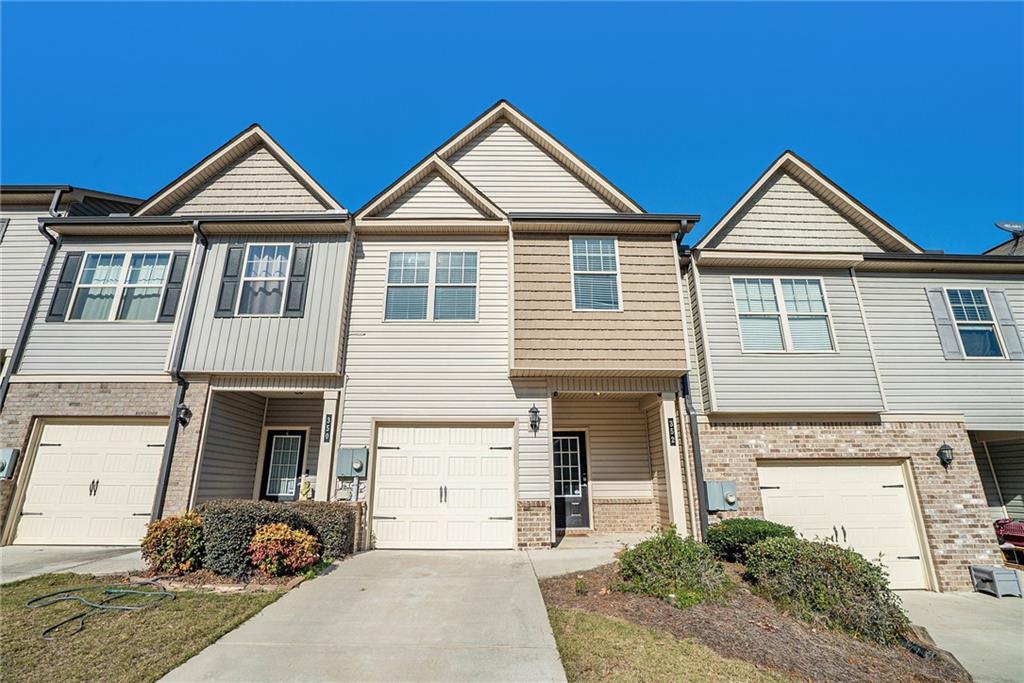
x=407 y=372
x=21 y=256
x=784 y=382
x=231 y=446
x=256 y=183
x=91 y=347
x=617 y=443
x=647 y=334
x=916 y=376
x=787 y=215
x=517 y=175
x=306 y=345
x=299 y=412
x=430 y=198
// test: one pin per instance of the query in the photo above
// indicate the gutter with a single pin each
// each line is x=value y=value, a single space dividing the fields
x=190 y=220
x=954 y=258
x=691 y=218
x=698 y=465
x=178 y=410
x=33 y=302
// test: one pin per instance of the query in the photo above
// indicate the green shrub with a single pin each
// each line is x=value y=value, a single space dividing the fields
x=174 y=544
x=731 y=538
x=278 y=550
x=819 y=581
x=334 y=524
x=229 y=525
x=680 y=570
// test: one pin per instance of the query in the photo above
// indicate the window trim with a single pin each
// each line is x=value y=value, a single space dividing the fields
x=956 y=325
x=242 y=279
x=783 y=315
x=119 y=288
x=430 y=284
x=618 y=274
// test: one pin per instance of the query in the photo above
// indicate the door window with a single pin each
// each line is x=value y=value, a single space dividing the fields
x=285 y=452
x=568 y=474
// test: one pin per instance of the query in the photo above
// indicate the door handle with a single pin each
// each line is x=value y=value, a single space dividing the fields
x=440 y=494
x=844 y=532
x=835 y=533
x=446 y=494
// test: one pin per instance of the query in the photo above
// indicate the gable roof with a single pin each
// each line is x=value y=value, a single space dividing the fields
x=1011 y=247
x=831 y=193
x=221 y=159
x=433 y=164
x=504 y=110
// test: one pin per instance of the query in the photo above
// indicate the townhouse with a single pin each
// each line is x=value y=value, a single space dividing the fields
x=502 y=348
x=841 y=366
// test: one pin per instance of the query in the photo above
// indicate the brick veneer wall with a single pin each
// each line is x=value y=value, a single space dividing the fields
x=625 y=515
x=952 y=501
x=534 y=529
x=27 y=402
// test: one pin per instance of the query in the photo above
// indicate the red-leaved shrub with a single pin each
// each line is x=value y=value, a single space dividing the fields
x=279 y=550
x=174 y=545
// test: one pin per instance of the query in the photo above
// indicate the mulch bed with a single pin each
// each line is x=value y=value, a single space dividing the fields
x=750 y=628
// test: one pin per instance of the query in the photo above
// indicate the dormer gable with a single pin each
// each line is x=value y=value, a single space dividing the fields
x=432 y=189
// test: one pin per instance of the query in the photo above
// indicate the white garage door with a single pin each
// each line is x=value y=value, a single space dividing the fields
x=864 y=506
x=92 y=485
x=444 y=487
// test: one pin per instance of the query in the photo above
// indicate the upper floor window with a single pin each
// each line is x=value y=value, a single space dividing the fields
x=595 y=274
x=782 y=314
x=264 y=279
x=120 y=286
x=412 y=294
x=975 y=324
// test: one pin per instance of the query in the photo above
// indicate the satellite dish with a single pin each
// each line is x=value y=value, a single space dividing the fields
x=1013 y=227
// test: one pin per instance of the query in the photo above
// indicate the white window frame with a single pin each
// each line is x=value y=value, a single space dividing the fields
x=783 y=314
x=430 y=284
x=618 y=274
x=242 y=279
x=120 y=288
x=957 y=323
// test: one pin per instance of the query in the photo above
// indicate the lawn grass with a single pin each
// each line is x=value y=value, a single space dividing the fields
x=599 y=648
x=115 y=646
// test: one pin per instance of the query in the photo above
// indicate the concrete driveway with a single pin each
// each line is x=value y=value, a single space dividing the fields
x=22 y=561
x=398 y=616
x=984 y=632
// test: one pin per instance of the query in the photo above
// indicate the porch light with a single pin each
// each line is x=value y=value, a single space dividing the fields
x=945 y=455
x=184 y=414
x=534 y=418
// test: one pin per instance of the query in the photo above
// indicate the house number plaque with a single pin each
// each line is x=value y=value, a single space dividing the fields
x=671 y=431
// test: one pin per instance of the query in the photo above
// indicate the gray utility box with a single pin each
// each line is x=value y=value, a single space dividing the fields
x=721 y=495
x=8 y=461
x=351 y=462
x=998 y=581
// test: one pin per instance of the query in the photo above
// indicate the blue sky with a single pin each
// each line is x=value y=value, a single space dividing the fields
x=916 y=109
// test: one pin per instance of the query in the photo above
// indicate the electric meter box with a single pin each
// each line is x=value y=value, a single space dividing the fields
x=351 y=462
x=721 y=495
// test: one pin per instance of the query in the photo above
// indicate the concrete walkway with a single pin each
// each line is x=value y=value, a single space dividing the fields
x=23 y=561
x=984 y=632
x=396 y=616
x=580 y=553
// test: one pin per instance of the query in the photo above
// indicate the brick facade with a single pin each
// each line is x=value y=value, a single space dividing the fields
x=952 y=502
x=625 y=515
x=534 y=530
x=28 y=402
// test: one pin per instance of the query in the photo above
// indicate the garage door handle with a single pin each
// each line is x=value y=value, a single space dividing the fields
x=501 y=448
x=31 y=514
x=844 y=532
x=440 y=494
x=835 y=533
x=766 y=488
x=908 y=557
x=383 y=517
x=505 y=518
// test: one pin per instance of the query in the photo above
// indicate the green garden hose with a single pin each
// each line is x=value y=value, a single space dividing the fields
x=104 y=605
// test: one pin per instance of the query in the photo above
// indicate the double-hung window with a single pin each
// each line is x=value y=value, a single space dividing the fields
x=264 y=279
x=413 y=294
x=120 y=286
x=975 y=324
x=595 y=274
x=782 y=314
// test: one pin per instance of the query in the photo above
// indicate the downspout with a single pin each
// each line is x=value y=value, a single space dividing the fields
x=33 y=306
x=698 y=465
x=176 y=364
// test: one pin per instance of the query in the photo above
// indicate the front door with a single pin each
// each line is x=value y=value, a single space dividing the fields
x=281 y=463
x=572 y=505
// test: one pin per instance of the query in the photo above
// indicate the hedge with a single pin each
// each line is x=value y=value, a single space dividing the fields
x=680 y=570
x=730 y=538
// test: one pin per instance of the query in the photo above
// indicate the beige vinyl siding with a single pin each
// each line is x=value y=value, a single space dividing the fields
x=299 y=412
x=619 y=460
x=256 y=183
x=787 y=215
x=231 y=446
x=517 y=175
x=916 y=377
x=21 y=256
x=646 y=335
x=80 y=347
x=656 y=455
x=434 y=371
x=781 y=382
x=431 y=197
x=272 y=344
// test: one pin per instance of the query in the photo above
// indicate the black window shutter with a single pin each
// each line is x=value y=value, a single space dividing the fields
x=229 y=283
x=172 y=290
x=295 y=303
x=65 y=287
